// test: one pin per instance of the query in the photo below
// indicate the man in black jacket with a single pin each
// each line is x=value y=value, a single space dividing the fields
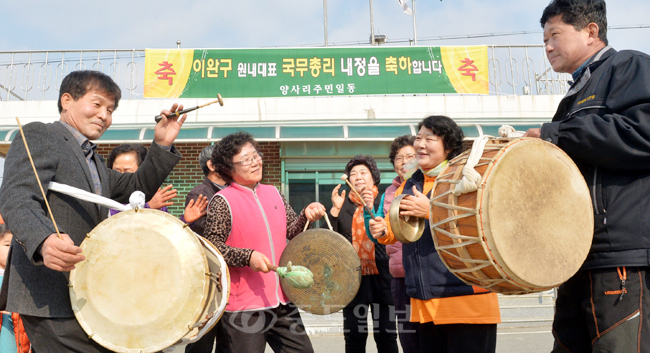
x=210 y=186
x=603 y=124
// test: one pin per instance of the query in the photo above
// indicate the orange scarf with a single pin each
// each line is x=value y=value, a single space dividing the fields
x=362 y=244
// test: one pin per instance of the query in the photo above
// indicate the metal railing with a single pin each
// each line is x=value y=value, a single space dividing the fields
x=526 y=69
x=37 y=75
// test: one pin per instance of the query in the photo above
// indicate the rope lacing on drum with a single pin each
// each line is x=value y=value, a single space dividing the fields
x=472 y=178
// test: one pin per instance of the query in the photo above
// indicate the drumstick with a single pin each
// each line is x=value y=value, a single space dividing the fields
x=365 y=206
x=219 y=100
x=58 y=234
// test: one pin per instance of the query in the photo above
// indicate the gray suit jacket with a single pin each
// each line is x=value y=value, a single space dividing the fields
x=29 y=287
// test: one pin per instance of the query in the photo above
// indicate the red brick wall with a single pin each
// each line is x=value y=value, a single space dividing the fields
x=187 y=173
x=272 y=165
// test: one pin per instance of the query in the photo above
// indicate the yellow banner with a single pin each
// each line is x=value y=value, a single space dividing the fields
x=166 y=72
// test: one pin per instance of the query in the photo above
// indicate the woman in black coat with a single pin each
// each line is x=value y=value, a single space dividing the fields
x=374 y=293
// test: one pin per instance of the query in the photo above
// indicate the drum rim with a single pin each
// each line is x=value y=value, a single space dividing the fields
x=483 y=207
x=225 y=284
x=160 y=346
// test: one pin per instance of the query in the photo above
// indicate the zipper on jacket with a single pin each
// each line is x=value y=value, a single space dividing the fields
x=584 y=108
x=594 y=190
x=421 y=280
x=268 y=230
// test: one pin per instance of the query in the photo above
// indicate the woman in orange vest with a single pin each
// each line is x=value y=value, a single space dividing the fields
x=454 y=317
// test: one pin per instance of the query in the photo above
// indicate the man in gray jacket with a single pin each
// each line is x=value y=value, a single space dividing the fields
x=35 y=284
x=603 y=124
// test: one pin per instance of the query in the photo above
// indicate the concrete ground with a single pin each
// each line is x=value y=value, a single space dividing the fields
x=509 y=340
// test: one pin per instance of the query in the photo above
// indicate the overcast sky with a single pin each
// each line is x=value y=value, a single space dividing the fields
x=126 y=24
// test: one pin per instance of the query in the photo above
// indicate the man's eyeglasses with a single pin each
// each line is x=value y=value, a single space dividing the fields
x=248 y=161
x=404 y=158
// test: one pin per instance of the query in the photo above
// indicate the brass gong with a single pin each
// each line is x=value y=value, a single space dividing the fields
x=406 y=229
x=336 y=268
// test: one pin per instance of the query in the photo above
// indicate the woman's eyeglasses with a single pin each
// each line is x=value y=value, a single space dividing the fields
x=248 y=161
x=404 y=158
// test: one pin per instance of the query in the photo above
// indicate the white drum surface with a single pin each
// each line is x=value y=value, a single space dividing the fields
x=143 y=283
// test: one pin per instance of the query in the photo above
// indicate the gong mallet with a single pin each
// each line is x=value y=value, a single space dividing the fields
x=179 y=113
x=297 y=276
x=365 y=206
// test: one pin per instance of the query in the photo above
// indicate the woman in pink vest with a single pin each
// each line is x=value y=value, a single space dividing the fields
x=250 y=223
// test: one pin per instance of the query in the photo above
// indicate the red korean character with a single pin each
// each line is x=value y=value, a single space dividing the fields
x=165 y=71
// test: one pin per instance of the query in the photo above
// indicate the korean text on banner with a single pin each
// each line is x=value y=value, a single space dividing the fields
x=239 y=73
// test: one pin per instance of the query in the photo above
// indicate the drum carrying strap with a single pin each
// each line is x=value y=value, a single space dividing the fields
x=472 y=178
x=136 y=199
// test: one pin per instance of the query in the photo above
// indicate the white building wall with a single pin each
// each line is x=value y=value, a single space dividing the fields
x=315 y=110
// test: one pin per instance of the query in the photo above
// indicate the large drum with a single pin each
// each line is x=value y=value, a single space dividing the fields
x=148 y=282
x=527 y=228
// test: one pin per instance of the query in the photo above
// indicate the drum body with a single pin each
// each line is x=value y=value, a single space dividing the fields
x=527 y=228
x=147 y=283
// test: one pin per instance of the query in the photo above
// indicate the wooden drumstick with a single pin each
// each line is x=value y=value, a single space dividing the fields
x=58 y=234
x=174 y=114
x=365 y=206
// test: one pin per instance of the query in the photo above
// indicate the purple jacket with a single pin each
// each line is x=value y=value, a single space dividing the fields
x=394 y=251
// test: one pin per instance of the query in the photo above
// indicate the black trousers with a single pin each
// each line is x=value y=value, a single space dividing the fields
x=250 y=331
x=355 y=327
x=458 y=338
x=408 y=331
x=591 y=315
x=59 y=335
x=206 y=343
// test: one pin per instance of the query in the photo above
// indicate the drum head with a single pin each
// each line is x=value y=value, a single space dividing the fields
x=335 y=265
x=143 y=284
x=537 y=214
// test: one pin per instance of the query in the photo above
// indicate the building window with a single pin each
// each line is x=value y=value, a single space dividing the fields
x=305 y=188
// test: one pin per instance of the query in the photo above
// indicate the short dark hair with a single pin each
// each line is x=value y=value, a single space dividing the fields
x=139 y=151
x=78 y=83
x=579 y=14
x=369 y=162
x=226 y=149
x=204 y=157
x=398 y=144
x=452 y=135
x=4 y=230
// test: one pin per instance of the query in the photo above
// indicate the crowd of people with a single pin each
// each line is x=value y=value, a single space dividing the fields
x=603 y=124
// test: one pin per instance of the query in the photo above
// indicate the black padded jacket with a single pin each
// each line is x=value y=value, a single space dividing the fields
x=603 y=124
